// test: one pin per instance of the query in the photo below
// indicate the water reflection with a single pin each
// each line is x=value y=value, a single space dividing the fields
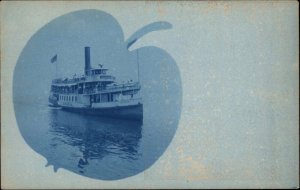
x=94 y=137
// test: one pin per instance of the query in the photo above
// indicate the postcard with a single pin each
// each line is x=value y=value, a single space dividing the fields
x=149 y=94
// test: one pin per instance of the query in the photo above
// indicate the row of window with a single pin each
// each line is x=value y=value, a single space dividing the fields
x=68 y=98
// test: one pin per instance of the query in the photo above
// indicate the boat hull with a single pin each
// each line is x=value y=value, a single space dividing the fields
x=133 y=112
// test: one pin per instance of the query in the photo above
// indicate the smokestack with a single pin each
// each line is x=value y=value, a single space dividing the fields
x=87 y=59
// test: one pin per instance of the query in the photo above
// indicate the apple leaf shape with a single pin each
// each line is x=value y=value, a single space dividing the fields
x=161 y=25
x=93 y=146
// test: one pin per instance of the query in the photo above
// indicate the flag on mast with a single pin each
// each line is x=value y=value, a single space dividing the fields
x=54 y=58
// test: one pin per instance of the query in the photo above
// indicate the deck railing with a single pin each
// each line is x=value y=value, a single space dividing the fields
x=122 y=87
x=83 y=79
x=68 y=81
x=94 y=90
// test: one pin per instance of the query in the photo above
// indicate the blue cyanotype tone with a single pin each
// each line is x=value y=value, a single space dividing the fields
x=91 y=103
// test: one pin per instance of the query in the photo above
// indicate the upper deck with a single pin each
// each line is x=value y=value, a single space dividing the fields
x=92 y=75
x=95 y=89
x=84 y=79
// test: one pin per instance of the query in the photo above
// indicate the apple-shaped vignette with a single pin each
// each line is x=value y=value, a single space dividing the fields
x=156 y=70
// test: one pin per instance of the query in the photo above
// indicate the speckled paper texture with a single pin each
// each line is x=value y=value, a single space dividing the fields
x=239 y=69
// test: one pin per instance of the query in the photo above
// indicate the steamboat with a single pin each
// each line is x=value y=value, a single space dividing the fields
x=96 y=92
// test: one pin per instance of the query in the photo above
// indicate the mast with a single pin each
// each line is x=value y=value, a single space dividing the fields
x=138 y=66
x=56 y=75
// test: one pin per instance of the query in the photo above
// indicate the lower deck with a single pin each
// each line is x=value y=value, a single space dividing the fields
x=98 y=100
x=126 y=106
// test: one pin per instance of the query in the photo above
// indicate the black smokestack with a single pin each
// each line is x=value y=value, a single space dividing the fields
x=87 y=59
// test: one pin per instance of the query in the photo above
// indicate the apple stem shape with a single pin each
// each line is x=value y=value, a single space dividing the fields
x=161 y=25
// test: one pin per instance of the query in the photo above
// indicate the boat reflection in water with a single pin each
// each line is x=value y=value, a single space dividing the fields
x=94 y=146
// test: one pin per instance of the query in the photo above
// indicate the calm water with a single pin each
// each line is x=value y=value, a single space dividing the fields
x=93 y=146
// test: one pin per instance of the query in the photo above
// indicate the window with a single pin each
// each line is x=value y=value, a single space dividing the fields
x=104 y=98
x=98 y=98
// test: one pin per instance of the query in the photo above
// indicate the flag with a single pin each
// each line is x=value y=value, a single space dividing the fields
x=54 y=58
